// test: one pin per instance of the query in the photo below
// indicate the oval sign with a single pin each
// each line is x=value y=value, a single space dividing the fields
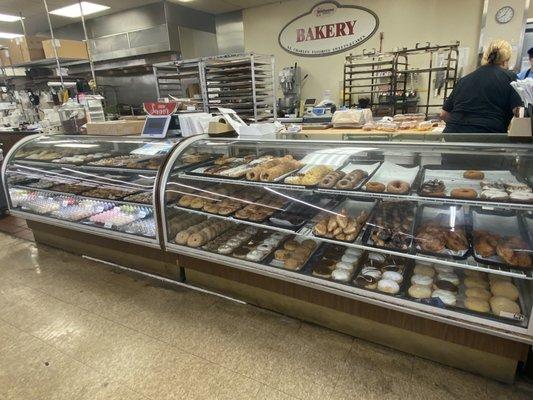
x=329 y=28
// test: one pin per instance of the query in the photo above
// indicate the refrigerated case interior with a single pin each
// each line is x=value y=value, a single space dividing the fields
x=441 y=231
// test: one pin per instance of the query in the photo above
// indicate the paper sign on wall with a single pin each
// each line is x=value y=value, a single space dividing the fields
x=328 y=28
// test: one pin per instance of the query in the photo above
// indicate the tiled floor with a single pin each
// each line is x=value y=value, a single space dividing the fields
x=73 y=329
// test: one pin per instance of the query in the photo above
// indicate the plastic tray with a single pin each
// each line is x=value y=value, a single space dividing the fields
x=389 y=171
x=503 y=223
x=354 y=208
x=280 y=264
x=367 y=236
x=429 y=212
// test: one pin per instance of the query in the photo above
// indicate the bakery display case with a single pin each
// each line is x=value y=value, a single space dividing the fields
x=437 y=230
x=100 y=185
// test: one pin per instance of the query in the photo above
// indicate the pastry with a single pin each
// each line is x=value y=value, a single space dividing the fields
x=446 y=297
x=225 y=249
x=421 y=280
x=341 y=275
x=290 y=245
x=368 y=282
x=377 y=257
x=388 y=286
x=282 y=255
x=308 y=243
x=450 y=277
x=350 y=259
x=443 y=269
x=433 y=188
x=341 y=225
x=503 y=305
x=494 y=278
x=322 y=271
x=504 y=289
x=392 y=225
x=345 y=266
x=494 y=194
x=476 y=282
x=353 y=252
x=463 y=193
x=475 y=274
x=372 y=272
x=525 y=197
x=311 y=177
x=398 y=187
x=375 y=187
x=445 y=285
x=292 y=263
x=472 y=174
x=478 y=292
x=477 y=304
x=423 y=269
x=393 y=276
x=419 y=291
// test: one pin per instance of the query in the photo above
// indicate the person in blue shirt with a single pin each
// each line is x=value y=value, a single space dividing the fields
x=527 y=73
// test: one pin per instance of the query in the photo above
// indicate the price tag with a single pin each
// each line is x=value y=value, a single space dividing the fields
x=517 y=316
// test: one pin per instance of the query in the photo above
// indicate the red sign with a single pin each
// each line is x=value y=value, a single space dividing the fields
x=159 y=108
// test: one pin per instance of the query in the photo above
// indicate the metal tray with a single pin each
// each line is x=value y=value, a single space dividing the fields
x=385 y=174
x=280 y=264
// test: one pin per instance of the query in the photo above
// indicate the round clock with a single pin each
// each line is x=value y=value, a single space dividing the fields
x=504 y=14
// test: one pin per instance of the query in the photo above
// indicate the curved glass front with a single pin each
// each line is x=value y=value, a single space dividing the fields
x=88 y=182
x=431 y=227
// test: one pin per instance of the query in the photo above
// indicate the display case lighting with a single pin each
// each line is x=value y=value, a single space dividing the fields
x=73 y=11
x=9 y=18
x=8 y=35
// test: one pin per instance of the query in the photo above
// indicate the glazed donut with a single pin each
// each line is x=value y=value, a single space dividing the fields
x=328 y=181
x=473 y=174
x=456 y=241
x=345 y=183
x=196 y=240
x=463 y=193
x=375 y=187
x=400 y=187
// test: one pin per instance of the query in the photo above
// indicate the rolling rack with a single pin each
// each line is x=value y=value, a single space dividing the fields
x=372 y=75
x=175 y=77
x=243 y=82
x=441 y=78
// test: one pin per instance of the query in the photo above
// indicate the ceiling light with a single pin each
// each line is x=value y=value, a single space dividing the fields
x=73 y=11
x=9 y=18
x=7 y=35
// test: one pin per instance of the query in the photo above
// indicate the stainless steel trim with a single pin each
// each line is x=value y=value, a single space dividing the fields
x=391 y=302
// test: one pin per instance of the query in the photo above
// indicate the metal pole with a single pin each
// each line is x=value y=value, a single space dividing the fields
x=22 y=23
x=54 y=44
x=91 y=64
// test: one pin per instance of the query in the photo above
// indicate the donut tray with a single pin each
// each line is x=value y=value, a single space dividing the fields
x=280 y=264
x=453 y=179
x=369 y=228
x=369 y=168
x=354 y=208
x=366 y=260
x=517 y=319
x=426 y=213
x=503 y=223
x=388 y=172
x=305 y=212
x=319 y=255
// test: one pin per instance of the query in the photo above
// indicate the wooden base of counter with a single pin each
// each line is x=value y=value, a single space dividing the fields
x=145 y=259
x=483 y=354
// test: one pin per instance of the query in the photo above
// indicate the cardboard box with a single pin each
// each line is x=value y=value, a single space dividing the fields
x=115 y=128
x=25 y=49
x=66 y=49
x=520 y=127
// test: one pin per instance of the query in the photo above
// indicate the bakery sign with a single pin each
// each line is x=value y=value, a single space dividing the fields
x=329 y=28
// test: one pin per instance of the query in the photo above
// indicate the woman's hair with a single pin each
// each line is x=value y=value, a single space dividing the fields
x=497 y=53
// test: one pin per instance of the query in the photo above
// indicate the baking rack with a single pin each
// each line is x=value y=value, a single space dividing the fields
x=373 y=75
x=243 y=82
x=441 y=75
x=175 y=77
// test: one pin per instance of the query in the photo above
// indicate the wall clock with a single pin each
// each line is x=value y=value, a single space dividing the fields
x=504 y=14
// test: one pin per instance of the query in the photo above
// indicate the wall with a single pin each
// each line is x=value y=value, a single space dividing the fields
x=404 y=23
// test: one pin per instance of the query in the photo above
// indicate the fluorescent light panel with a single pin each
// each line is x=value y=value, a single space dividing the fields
x=73 y=11
x=9 y=18
x=7 y=35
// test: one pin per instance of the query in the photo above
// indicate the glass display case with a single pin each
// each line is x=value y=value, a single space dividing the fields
x=438 y=230
x=101 y=185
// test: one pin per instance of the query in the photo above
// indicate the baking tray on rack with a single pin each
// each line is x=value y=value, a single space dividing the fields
x=354 y=208
x=388 y=172
x=371 y=226
x=503 y=223
x=452 y=177
x=517 y=319
x=460 y=218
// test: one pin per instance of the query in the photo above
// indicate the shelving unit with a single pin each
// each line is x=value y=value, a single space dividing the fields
x=244 y=82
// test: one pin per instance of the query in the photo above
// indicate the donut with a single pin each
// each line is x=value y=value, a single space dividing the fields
x=328 y=182
x=196 y=240
x=463 y=193
x=456 y=241
x=291 y=245
x=399 y=187
x=375 y=187
x=345 y=183
x=473 y=174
